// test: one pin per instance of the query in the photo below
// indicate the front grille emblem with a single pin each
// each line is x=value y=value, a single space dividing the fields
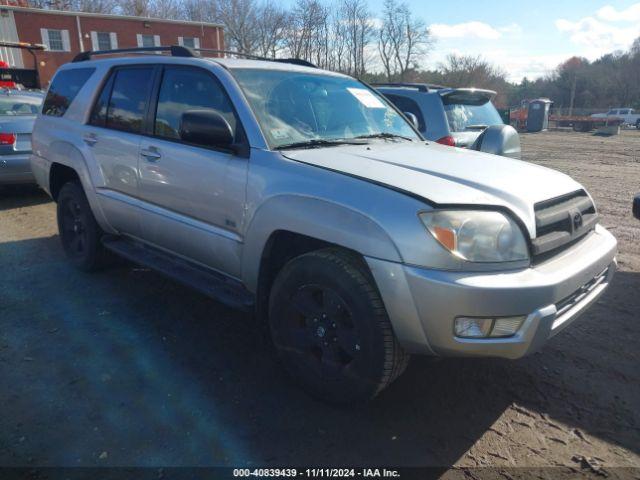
x=577 y=220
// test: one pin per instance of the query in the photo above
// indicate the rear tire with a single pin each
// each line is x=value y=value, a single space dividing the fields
x=638 y=124
x=79 y=232
x=330 y=328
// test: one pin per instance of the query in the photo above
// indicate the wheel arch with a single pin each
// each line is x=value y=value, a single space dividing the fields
x=287 y=226
x=68 y=163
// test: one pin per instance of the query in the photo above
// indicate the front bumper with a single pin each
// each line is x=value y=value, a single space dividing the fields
x=423 y=304
x=15 y=169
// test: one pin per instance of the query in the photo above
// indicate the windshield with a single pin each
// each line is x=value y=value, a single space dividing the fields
x=16 y=105
x=464 y=116
x=297 y=107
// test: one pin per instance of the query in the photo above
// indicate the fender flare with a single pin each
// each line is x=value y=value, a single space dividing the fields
x=316 y=218
x=67 y=154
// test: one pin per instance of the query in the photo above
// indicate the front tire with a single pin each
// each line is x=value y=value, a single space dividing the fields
x=79 y=232
x=330 y=328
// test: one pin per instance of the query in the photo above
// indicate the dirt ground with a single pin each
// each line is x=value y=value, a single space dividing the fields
x=127 y=368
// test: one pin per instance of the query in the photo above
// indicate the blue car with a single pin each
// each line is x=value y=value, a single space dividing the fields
x=636 y=207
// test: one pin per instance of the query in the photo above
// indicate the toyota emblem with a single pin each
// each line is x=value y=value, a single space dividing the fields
x=577 y=220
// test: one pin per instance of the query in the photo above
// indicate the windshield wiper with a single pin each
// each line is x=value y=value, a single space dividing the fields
x=317 y=142
x=478 y=126
x=385 y=135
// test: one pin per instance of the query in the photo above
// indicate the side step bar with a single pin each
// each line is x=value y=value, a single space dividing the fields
x=213 y=284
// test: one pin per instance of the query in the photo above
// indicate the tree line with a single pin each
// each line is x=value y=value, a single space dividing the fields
x=340 y=35
x=390 y=45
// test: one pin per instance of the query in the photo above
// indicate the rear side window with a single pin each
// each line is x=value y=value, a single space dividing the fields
x=63 y=90
x=122 y=104
x=405 y=104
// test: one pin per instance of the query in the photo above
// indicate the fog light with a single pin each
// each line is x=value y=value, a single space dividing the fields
x=469 y=327
x=506 y=326
x=466 y=327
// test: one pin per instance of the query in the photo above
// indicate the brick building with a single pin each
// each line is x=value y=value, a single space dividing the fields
x=67 y=33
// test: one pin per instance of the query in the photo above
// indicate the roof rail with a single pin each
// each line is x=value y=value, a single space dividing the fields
x=294 y=61
x=180 y=51
x=421 y=87
x=175 y=50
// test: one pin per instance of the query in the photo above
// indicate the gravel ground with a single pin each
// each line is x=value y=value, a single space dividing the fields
x=126 y=368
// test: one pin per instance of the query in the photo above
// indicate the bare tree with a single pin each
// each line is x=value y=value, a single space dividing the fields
x=402 y=39
x=136 y=8
x=307 y=33
x=239 y=18
x=198 y=10
x=358 y=33
x=271 y=27
x=95 y=6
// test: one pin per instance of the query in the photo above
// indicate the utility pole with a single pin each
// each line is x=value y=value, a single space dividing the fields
x=573 y=93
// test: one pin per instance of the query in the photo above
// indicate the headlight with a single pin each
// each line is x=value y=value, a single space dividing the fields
x=476 y=235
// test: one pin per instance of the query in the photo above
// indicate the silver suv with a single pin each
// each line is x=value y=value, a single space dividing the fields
x=303 y=195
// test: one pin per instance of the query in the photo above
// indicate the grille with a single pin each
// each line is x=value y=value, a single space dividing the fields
x=563 y=220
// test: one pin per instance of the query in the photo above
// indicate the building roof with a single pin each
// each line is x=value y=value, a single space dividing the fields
x=107 y=15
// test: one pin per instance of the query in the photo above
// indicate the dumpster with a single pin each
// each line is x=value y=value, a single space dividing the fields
x=538 y=115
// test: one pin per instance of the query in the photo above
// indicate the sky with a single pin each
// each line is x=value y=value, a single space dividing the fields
x=526 y=38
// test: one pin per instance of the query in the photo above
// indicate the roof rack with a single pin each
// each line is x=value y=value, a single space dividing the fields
x=175 y=50
x=294 y=61
x=180 y=51
x=421 y=87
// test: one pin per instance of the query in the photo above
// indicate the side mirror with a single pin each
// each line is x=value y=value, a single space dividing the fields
x=413 y=119
x=499 y=140
x=207 y=128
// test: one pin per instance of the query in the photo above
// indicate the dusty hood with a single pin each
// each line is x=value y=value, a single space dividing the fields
x=446 y=175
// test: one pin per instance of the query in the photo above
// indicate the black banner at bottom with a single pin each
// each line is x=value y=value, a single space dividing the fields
x=404 y=473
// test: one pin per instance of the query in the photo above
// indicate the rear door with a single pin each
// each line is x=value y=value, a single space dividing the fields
x=113 y=138
x=194 y=194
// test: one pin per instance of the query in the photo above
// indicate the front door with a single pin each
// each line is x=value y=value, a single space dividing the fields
x=194 y=194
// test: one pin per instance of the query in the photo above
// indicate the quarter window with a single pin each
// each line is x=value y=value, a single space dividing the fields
x=128 y=94
x=64 y=88
x=185 y=89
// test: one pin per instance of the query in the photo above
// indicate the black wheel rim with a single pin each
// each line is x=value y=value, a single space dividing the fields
x=321 y=332
x=74 y=232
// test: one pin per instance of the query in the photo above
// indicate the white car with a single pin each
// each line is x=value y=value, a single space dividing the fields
x=629 y=116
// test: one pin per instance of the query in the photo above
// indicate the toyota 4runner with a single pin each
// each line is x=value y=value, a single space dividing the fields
x=305 y=196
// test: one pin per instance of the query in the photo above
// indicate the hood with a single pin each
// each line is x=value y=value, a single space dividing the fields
x=446 y=175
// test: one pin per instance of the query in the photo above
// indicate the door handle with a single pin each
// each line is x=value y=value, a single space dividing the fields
x=151 y=154
x=90 y=139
